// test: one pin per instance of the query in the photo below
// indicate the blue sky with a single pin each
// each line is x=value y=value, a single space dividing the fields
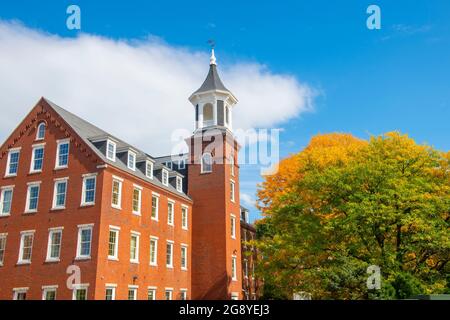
x=369 y=81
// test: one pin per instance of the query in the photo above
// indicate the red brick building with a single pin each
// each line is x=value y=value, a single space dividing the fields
x=84 y=215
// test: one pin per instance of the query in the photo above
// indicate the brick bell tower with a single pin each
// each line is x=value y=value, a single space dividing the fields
x=213 y=184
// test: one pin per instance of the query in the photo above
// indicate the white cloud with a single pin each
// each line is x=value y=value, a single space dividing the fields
x=247 y=200
x=137 y=90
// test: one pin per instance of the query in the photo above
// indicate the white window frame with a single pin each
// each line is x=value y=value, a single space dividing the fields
x=51 y=231
x=131 y=165
x=180 y=162
x=59 y=144
x=234 y=267
x=154 y=240
x=165 y=177
x=169 y=165
x=171 y=214
x=184 y=217
x=183 y=294
x=55 y=190
x=17 y=291
x=8 y=162
x=170 y=291
x=139 y=189
x=28 y=199
x=119 y=196
x=153 y=290
x=156 y=217
x=171 y=243
x=38 y=130
x=3 y=236
x=114 y=148
x=3 y=190
x=112 y=287
x=179 y=184
x=149 y=171
x=23 y=234
x=82 y=227
x=232 y=165
x=33 y=157
x=46 y=289
x=116 y=230
x=202 y=164
x=86 y=177
x=76 y=287
x=233 y=226
x=138 y=237
x=185 y=247
x=134 y=288
x=232 y=191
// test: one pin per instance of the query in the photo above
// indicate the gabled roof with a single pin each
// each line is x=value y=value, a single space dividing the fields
x=91 y=133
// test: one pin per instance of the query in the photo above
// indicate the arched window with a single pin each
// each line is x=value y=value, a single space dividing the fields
x=208 y=115
x=206 y=165
x=40 y=131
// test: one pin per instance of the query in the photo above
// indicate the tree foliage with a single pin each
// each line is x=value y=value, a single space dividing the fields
x=343 y=204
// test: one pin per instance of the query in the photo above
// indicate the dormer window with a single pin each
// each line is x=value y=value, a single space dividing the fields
x=131 y=160
x=149 y=169
x=40 y=134
x=165 y=177
x=206 y=165
x=111 y=150
x=179 y=184
x=182 y=164
x=169 y=164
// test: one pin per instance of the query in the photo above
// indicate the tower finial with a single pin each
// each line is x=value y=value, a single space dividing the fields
x=212 y=60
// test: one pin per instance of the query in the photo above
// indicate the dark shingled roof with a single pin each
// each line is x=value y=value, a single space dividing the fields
x=212 y=81
x=90 y=133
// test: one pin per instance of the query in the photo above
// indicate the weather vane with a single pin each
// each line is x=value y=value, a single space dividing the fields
x=212 y=43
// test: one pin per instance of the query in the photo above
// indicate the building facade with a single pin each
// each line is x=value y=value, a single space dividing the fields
x=85 y=215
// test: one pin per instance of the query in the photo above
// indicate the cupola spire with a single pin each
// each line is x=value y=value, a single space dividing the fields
x=212 y=60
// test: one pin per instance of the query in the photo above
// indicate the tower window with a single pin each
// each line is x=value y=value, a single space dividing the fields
x=208 y=115
x=206 y=163
x=227 y=115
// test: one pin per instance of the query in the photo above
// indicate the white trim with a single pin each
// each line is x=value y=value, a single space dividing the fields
x=28 y=197
x=234 y=266
x=170 y=266
x=165 y=173
x=80 y=287
x=184 y=246
x=84 y=203
x=37 y=138
x=131 y=166
x=116 y=230
x=110 y=142
x=119 y=196
x=55 y=190
x=8 y=162
x=111 y=285
x=117 y=178
x=156 y=217
x=82 y=227
x=49 y=244
x=155 y=239
x=183 y=225
x=34 y=148
x=138 y=239
x=139 y=189
x=149 y=174
x=58 y=144
x=22 y=236
x=171 y=203
x=3 y=190
x=233 y=226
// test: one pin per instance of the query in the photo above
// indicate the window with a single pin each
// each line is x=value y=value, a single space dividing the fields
x=168 y=293
x=131 y=160
x=234 y=296
x=184 y=217
x=49 y=292
x=206 y=165
x=181 y=164
x=59 y=197
x=32 y=197
x=132 y=292
x=88 y=195
x=12 y=165
x=151 y=294
x=149 y=169
x=80 y=292
x=232 y=195
x=233 y=226
x=170 y=211
x=3 y=237
x=134 y=247
x=169 y=165
x=153 y=251
x=113 y=243
x=183 y=294
x=54 y=244
x=20 y=293
x=184 y=257
x=227 y=115
x=169 y=254
x=110 y=292
x=232 y=164
x=208 y=113
x=84 y=241
x=40 y=133
x=26 y=247
x=179 y=184
x=110 y=150
x=37 y=159
x=155 y=206
x=233 y=268
x=137 y=200
x=165 y=177
x=6 y=200
x=62 y=154
x=116 y=197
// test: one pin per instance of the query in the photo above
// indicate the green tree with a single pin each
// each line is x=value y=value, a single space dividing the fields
x=383 y=203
